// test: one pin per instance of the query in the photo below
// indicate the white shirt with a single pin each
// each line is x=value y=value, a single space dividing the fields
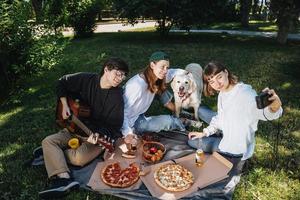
x=138 y=99
x=238 y=118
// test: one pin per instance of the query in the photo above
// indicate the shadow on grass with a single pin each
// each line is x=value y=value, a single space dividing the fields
x=21 y=132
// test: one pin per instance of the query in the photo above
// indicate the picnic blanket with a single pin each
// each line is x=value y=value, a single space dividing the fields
x=177 y=147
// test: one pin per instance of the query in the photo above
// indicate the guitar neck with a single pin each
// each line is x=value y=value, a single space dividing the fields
x=81 y=125
x=107 y=144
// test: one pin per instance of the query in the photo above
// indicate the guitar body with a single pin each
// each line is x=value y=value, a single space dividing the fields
x=74 y=125
x=80 y=110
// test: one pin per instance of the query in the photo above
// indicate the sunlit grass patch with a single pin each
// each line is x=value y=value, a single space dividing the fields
x=268 y=28
x=286 y=85
x=5 y=117
x=296 y=134
x=9 y=150
x=254 y=25
x=148 y=29
x=265 y=184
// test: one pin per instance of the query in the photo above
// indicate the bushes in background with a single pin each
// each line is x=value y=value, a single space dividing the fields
x=82 y=16
x=25 y=47
x=16 y=40
x=30 y=33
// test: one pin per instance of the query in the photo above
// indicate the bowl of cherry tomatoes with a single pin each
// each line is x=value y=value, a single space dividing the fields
x=153 y=152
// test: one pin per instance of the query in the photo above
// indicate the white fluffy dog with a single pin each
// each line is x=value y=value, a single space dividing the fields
x=188 y=89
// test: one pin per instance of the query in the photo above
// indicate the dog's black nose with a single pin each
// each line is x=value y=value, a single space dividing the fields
x=181 y=88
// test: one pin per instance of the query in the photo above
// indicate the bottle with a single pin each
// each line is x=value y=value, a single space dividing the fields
x=199 y=157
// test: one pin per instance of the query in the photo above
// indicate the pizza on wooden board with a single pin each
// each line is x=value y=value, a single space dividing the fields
x=173 y=177
x=114 y=176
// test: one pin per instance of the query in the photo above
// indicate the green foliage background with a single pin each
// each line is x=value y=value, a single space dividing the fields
x=82 y=16
x=182 y=14
x=26 y=48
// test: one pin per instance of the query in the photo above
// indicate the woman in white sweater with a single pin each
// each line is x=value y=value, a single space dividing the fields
x=139 y=93
x=237 y=115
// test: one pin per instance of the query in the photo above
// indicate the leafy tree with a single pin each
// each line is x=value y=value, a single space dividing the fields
x=82 y=16
x=245 y=10
x=25 y=47
x=255 y=9
x=105 y=5
x=204 y=12
x=156 y=9
x=183 y=14
x=16 y=39
x=55 y=14
x=37 y=6
x=162 y=11
x=79 y=14
x=131 y=10
x=285 y=11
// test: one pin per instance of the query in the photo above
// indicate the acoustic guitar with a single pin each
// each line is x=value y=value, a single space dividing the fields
x=73 y=122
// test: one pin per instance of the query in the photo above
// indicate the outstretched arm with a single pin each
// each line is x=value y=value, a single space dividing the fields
x=273 y=111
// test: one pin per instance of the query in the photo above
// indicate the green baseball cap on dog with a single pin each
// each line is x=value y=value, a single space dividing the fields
x=158 y=55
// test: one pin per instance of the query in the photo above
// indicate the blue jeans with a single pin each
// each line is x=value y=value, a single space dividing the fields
x=160 y=122
x=206 y=114
x=157 y=124
x=168 y=122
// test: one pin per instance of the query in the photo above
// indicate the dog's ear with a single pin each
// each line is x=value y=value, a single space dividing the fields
x=173 y=84
x=193 y=85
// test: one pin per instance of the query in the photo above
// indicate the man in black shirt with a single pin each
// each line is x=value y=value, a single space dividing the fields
x=102 y=94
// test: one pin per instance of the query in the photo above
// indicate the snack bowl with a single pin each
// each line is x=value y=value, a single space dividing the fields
x=153 y=152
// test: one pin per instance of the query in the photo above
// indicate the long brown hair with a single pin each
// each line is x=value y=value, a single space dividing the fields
x=212 y=69
x=157 y=86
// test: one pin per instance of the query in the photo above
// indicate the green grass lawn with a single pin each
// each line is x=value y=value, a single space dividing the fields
x=261 y=26
x=28 y=115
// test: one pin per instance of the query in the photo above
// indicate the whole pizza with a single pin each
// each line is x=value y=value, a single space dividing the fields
x=173 y=177
x=114 y=176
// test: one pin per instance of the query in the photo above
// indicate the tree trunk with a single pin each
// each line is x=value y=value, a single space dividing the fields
x=282 y=34
x=99 y=16
x=37 y=7
x=162 y=26
x=4 y=78
x=245 y=10
x=286 y=11
x=255 y=8
x=283 y=23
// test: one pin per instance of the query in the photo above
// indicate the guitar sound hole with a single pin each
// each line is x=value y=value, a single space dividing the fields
x=133 y=147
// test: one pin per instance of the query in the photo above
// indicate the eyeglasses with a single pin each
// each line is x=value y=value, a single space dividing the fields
x=120 y=75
